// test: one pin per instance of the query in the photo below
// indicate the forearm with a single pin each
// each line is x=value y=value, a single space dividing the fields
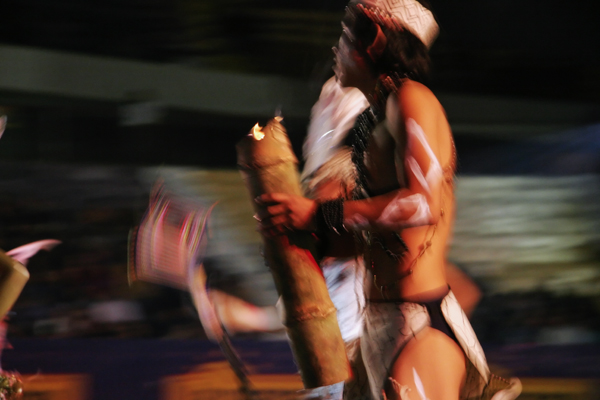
x=395 y=210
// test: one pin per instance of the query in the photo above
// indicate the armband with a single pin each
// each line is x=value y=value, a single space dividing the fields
x=330 y=216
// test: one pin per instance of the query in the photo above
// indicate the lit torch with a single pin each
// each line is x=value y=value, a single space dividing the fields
x=268 y=165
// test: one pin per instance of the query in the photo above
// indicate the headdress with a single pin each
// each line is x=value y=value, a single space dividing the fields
x=410 y=14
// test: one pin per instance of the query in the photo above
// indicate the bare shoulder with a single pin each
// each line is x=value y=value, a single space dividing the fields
x=415 y=98
x=415 y=101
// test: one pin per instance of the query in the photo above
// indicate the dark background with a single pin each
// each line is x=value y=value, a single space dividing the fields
x=538 y=51
x=70 y=170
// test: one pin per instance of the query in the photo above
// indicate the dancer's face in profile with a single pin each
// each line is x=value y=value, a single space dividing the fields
x=349 y=65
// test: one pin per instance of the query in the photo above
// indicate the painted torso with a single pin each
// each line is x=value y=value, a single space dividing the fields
x=396 y=258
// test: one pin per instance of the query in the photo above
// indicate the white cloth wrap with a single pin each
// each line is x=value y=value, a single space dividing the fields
x=332 y=116
x=344 y=279
x=389 y=326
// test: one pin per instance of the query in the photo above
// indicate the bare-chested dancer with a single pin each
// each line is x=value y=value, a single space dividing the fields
x=417 y=343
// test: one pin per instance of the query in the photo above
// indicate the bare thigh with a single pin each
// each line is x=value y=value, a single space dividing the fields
x=430 y=362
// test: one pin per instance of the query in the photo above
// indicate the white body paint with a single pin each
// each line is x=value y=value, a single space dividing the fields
x=393 y=216
x=357 y=222
x=419 y=385
x=434 y=172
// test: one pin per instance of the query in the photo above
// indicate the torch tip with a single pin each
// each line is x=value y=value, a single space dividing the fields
x=257 y=132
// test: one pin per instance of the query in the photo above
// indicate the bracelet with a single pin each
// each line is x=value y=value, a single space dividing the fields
x=330 y=216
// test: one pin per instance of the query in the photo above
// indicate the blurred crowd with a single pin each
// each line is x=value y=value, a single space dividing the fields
x=80 y=288
x=537 y=317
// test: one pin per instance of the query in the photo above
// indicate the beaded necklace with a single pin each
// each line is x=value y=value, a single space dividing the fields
x=361 y=134
x=363 y=129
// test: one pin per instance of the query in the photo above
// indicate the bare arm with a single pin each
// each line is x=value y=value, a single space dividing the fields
x=415 y=114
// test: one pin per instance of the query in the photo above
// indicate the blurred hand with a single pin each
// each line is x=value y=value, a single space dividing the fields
x=283 y=212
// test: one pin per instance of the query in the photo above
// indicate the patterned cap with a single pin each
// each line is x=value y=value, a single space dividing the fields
x=411 y=15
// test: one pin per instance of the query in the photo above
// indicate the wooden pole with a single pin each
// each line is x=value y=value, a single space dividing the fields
x=268 y=165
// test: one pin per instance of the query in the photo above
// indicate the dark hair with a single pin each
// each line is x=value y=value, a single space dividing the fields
x=404 y=53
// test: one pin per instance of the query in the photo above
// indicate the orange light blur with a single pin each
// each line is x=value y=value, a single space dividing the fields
x=257 y=132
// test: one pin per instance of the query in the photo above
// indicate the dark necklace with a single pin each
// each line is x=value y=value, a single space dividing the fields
x=361 y=134
x=363 y=129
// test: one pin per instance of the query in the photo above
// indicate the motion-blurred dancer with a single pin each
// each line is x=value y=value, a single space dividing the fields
x=13 y=271
x=328 y=173
x=332 y=118
x=417 y=342
x=13 y=277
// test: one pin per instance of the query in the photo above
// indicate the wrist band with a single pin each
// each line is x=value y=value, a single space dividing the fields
x=330 y=216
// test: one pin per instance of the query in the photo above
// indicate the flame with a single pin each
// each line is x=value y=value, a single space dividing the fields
x=257 y=132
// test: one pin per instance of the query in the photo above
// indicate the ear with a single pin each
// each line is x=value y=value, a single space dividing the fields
x=375 y=50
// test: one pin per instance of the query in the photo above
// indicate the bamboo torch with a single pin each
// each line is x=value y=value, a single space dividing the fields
x=268 y=165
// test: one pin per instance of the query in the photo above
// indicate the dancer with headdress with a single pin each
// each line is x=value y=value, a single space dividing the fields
x=416 y=343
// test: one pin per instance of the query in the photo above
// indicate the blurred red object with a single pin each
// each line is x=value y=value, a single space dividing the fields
x=170 y=240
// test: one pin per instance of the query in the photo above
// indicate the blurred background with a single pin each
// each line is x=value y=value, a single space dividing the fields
x=105 y=97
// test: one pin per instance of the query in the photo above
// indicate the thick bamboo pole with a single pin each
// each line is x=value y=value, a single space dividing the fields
x=268 y=165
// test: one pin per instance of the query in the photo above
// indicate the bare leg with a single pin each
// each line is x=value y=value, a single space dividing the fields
x=431 y=366
x=239 y=316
